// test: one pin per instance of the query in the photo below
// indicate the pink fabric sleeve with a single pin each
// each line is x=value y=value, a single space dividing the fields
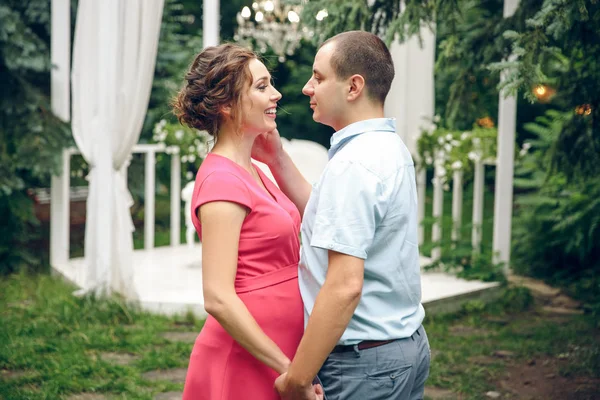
x=222 y=186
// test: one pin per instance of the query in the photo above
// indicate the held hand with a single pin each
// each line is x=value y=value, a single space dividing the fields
x=267 y=147
x=289 y=392
x=319 y=392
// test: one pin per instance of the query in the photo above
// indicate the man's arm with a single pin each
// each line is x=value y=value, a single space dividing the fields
x=290 y=180
x=269 y=150
x=333 y=309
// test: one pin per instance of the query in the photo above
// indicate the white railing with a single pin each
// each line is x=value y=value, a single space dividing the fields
x=457 y=205
x=60 y=201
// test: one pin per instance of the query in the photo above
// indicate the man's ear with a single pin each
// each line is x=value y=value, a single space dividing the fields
x=356 y=85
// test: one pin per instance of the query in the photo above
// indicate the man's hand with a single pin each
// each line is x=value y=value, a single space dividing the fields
x=267 y=147
x=288 y=391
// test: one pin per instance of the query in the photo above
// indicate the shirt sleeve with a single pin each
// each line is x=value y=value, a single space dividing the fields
x=222 y=186
x=351 y=204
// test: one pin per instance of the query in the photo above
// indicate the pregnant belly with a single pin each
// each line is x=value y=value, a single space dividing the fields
x=277 y=309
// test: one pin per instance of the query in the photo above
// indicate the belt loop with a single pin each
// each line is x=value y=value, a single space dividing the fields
x=356 y=350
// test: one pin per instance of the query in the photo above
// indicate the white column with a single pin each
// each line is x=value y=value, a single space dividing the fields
x=60 y=212
x=420 y=96
x=60 y=55
x=438 y=212
x=210 y=22
x=396 y=101
x=421 y=193
x=457 y=202
x=412 y=99
x=478 y=192
x=503 y=200
x=149 y=192
x=175 y=198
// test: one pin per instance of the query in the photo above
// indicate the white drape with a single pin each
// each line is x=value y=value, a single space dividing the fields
x=114 y=55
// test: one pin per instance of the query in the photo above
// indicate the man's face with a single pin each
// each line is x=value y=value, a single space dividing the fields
x=327 y=93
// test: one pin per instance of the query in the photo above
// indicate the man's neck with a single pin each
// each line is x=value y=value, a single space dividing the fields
x=357 y=114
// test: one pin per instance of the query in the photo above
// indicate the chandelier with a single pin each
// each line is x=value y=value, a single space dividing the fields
x=270 y=24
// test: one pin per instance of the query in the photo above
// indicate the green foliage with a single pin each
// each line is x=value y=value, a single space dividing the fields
x=560 y=47
x=465 y=90
x=557 y=223
x=561 y=37
x=17 y=229
x=31 y=138
x=516 y=299
x=191 y=145
x=387 y=18
x=458 y=257
x=456 y=150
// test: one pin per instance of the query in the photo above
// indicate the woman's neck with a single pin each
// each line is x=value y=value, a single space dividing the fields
x=235 y=146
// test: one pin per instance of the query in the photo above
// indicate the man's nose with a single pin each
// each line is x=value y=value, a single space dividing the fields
x=307 y=89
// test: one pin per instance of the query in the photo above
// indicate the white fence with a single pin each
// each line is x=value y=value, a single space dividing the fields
x=457 y=205
x=60 y=202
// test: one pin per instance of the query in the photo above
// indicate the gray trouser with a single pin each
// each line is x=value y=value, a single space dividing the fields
x=394 y=371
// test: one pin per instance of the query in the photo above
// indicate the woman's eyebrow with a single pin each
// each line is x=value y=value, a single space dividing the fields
x=263 y=78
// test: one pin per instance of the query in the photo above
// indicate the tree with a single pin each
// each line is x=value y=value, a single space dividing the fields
x=560 y=46
x=31 y=137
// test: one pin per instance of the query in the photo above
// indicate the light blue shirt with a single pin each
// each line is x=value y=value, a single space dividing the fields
x=365 y=205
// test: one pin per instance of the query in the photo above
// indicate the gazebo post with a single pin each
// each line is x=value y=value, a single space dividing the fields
x=60 y=88
x=503 y=203
x=412 y=100
x=210 y=22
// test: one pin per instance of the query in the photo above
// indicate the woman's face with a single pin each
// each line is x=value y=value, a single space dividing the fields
x=259 y=103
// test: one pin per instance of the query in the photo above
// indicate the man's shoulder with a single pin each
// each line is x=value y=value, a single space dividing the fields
x=379 y=152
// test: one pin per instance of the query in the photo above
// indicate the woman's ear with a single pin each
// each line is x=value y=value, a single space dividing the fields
x=355 y=87
x=226 y=110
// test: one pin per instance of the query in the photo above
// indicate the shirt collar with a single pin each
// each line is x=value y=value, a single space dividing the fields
x=343 y=136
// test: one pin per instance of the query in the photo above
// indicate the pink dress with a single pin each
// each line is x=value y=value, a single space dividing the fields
x=266 y=281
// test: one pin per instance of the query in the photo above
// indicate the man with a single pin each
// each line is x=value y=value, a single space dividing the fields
x=359 y=269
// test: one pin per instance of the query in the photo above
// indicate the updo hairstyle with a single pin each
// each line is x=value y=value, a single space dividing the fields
x=217 y=78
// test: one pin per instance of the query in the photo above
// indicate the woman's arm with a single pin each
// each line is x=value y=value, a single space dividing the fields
x=221 y=227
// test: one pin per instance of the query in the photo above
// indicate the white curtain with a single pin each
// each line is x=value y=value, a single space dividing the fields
x=114 y=55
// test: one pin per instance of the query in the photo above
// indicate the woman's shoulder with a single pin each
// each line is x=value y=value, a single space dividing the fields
x=215 y=166
x=219 y=179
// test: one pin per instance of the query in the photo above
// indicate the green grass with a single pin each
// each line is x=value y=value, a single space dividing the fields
x=56 y=341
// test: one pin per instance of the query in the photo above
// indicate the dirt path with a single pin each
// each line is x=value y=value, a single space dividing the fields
x=548 y=377
x=566 y=370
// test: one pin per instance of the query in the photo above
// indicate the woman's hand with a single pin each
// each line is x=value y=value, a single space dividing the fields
x=289 y=392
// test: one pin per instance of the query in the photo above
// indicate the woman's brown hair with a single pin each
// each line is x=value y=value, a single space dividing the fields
x=217 y=78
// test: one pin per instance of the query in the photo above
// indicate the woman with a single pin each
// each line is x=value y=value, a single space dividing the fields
x=249 y=231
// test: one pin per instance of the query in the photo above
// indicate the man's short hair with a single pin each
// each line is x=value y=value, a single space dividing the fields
x=365 y=54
